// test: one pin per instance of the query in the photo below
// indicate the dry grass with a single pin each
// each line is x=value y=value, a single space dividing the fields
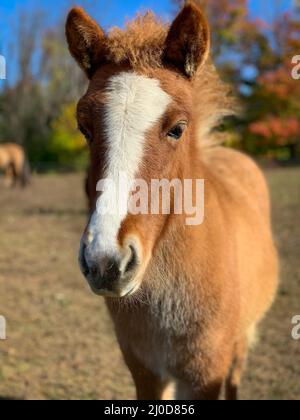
x=60 y=339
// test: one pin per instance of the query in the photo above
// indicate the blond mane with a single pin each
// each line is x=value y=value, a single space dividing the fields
x=141 y=42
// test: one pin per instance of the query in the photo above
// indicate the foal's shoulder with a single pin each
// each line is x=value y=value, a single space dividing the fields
x=237 y=172
x=230 y=162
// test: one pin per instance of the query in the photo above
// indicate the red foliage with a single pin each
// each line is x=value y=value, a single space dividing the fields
x=284 y=130
x=280 y=82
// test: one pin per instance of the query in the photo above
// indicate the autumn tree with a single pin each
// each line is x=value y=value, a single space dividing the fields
x=255 y=56
x=45 y=81
x=274 y=105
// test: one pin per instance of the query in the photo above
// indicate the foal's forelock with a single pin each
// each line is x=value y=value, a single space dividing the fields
x=134 y=105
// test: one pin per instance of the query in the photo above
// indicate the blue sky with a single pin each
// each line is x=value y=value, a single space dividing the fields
x=108 y=12
x=114 y=11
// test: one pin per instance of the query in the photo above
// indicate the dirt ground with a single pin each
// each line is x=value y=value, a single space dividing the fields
x=60 y=342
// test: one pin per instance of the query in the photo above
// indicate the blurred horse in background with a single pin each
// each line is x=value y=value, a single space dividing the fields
x=14 y=164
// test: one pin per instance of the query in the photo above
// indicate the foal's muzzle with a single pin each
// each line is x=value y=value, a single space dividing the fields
x=110 y=277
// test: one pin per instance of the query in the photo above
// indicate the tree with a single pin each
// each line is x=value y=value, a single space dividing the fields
x=23 y=117
x=45 y=82
x=255 y=56
x=67 y=145
x=275 y=125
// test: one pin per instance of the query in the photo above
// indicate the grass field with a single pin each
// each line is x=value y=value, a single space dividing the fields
x=61 y=343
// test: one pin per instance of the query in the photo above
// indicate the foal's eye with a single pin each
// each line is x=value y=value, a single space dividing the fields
x=177 y=131
x=86 y=133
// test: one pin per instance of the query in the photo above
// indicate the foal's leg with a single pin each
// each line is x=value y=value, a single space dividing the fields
x=235 y=375
x=148 y=385
x=205 y=380
x=209 y=392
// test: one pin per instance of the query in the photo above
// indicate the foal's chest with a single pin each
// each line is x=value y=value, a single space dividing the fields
x=158 y=335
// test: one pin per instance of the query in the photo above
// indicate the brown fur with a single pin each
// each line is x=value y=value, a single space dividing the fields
x=86 y=40
x=188 y=41
x=14 y=164
x=140 y=44
x=202 y=289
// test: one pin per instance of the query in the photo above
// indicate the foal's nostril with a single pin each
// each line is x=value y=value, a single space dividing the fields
x=94 y=271
x=132 y=263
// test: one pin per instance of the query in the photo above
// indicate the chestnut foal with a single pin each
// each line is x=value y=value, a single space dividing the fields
x=185 y=300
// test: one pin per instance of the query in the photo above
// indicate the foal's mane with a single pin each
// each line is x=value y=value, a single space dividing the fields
x=141 y=44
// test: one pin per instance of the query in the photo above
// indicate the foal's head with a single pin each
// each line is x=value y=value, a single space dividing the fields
x=138 y=117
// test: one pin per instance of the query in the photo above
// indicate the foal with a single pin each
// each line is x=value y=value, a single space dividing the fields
x=15 y=165
x=185 y=300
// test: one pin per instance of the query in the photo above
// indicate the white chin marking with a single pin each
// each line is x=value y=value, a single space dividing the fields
x=135 y=104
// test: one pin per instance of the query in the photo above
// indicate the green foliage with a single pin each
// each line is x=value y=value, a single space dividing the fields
x=67 y=146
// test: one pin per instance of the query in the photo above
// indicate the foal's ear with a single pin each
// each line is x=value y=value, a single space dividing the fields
x=188 y=40
x=86 y=40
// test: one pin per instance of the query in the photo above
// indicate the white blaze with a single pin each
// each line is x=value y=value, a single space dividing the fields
x=135 y=104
